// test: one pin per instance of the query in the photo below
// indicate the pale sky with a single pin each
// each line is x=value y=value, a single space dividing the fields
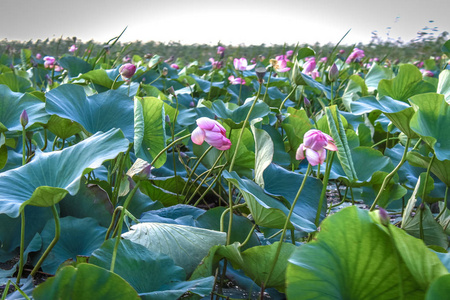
x=248 y=22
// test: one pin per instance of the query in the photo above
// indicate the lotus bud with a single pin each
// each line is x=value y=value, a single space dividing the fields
x=192 y=104
x=140 y=170
x=127 y=71
x=260 y=72
x=38 y=56
x=167 y=119
x=171 y=91
x=333 y=74
x=24 y=118
x=306 y=102
x=165 y=71
x=183 y=155
x=384 y=216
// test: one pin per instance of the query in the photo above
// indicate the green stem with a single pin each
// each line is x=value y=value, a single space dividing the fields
x=421 y=234
x=267 y=85
x=114 y=82
x=283 y=234
x=210 y=84
x=120 y=224
x=206 y=176
x=52 y=244
x=324 y=187
x=445 y=204
x=195 y=168
x=210 y=186
x=45 y=140
x=24 y=133
x=331 y=92
x=426 y=178
x=222 y=217
x=383 y=141
x=287 y=97
x=168 y=147
x=390 y=175
x=113 y=221
x=248 y=236
x=22 y=246
x=118 y=181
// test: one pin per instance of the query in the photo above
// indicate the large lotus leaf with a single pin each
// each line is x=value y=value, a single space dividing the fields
x=367 y=161
x=355 y=257
x=268 y=211
x=296 y=125
x=240 y=228
x=74 y=65
x=246 y=91
x=167 y=198
x=431 y=122
x=78 y=237
x=99 y=112
x=180 y=214
x=186 y=245
x=85 y=282
x=50 y=176
x=444 y=84
x=407 y=83
x=15 y=83
x=439 y=288
x=100 y=77
x=149 y=129
x=433 y=233
x=234 y=115
x=353 y=91
x=316 y=85
x=439 y=168
x=256 y=262
x=281 y=182
x=63 y=128
x=400 y=113
x=376 y=74
x=35 y=220
x=158 y=278
x=90 y=201
x=264 y=150
x=11 y=106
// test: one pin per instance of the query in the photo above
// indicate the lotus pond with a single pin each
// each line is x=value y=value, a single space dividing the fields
x=148 y=178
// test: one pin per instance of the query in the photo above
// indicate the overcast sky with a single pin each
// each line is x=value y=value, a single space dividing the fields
x=228 y=21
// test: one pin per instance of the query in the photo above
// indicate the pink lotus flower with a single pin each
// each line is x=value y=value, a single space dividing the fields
x=49 y=62
x=73 y=48
x=241 y=64
x=355 y=56
x=38 y=56
x=216 y=64
x=175 y=66
x=212 y=132
x=220 y=50
x=127 y=71
x=289 y=53
x=427 y=73
x=323 y=59
x=237 y=80
x=314 y=144
x=309 y=65
x=281 y=64
x=58 y=68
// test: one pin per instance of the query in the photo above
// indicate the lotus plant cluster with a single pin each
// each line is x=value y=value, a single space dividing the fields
x=291 y=175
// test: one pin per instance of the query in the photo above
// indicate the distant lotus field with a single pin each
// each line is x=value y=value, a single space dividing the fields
x=301 y=175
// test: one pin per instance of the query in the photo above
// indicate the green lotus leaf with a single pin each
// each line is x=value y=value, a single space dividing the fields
x=373 y=262
x=78 y=237
x=87 y=281
x=186 y=245
x=99 y=112
x=234 y=115
x=431 y=122
x=400 y=113
x=439 y=288
x=406 y=84
x=74 y=65
x=270 y=212
x=100 y=77
x=439 y=168
x=444 y=84
x=376 y=74
x=264 y=150
x=158 y=278
x=15 y=82
x=11 y=106
x=149 y=129
x=50 y=176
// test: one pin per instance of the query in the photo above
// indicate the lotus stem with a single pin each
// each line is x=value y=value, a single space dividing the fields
x=324 y=188
x=283 y=234
x=390 y=175
x=52 y=244
x=22 y=246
